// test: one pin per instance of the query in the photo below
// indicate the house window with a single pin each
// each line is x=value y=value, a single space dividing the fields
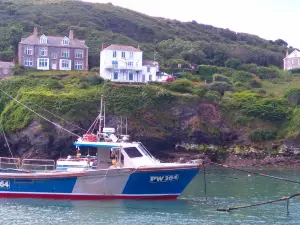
x=65 y=53
x=53 y=55
x=148 y=69
x=43 y=62
x=115 y=64
x=114 y=54
x=78 y=65
x=116 y=75
x=130 y=76
x=28 y=62
x=123 y=54
x=28 y=51
x=43 y=39
x=43 y=51
x=131 y=55
x=79 y=54
x=65 y=41
x=130 y=64
x=65 y=64
x=150 y=77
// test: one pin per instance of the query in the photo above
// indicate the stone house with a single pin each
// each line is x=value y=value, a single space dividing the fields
x=6 y=69
x=53 y=53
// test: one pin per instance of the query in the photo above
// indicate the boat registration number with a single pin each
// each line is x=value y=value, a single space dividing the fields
x=4 y=184
x=155 y=179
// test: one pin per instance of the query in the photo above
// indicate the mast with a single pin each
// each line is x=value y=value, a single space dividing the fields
x=100 y=115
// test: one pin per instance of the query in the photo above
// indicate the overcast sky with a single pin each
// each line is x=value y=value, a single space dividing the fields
x=269 y=19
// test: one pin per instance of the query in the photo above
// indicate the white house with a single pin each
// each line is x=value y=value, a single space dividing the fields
x=291 y=61
x=150 y=70
x=121 y=63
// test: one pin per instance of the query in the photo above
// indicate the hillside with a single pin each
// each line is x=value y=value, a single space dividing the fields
x=106 y=23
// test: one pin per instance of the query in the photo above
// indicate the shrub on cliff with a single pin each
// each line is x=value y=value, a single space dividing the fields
x=181 y=85
x=261 y=135
x=219 y=77
x=242 y=76
x=220 y=86
x=233 y=63
x=212 y=96
x=293 y=96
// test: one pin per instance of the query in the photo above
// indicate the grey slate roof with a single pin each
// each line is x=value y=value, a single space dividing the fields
x=53 y=41
x=123 y=48
x=149 y=63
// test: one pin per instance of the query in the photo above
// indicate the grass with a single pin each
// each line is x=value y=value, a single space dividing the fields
x=278 y=89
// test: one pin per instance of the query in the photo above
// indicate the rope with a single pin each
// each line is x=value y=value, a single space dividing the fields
x=261 y=203
x=55 y=124
x=57 y=116
x=204 y=177
x=254 y=173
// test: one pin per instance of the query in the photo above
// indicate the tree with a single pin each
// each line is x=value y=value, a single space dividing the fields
x=281 y=42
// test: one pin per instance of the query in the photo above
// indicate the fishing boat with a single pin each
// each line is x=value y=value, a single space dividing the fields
x=122 y=169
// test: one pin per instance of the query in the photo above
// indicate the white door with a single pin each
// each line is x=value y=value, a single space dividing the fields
x=143 y=78
x=53 y=66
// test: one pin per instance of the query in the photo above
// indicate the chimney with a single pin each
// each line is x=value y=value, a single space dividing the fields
x=138 y=47
x=102 y=47
x=287 y=53
x=71 y=35
x=35 y=31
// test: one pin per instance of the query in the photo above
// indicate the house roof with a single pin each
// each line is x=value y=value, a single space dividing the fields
x=293 y=54
x=7 y=65
x=123 y=48
x=53 y=41
x=149 y=63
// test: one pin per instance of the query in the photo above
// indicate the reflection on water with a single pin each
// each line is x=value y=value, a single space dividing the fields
x=224 y=188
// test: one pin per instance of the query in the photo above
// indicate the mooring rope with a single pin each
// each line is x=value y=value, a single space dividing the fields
x=255 y=173
x=261 y=203
x=55 y=124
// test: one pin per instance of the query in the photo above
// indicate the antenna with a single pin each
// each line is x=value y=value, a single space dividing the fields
x=121 y=125
x=126 y=125
x=104 y=114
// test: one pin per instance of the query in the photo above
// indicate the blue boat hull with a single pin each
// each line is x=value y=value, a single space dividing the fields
x=152 y=183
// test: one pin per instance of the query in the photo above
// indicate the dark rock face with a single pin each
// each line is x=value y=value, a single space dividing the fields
x=195 y=123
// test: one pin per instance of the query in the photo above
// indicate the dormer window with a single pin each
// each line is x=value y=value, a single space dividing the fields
x=65 y=41
x=43 y=39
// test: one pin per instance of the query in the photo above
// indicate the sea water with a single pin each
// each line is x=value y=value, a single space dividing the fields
x=224 y=188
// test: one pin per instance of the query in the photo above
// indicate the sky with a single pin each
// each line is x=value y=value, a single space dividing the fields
x=269 y=19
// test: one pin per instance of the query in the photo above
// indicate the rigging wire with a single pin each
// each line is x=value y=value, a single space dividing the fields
x=5 y=138
x=57 y=116
x=55 y=124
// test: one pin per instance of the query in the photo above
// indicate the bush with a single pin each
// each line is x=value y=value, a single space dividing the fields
x=220 y=87
x=181 y=85
x=200 y=91
x=83 y=85
x=95 y=69
x=233 y=63
x=92 y=79
x=293 y=96
x=268 y=109
x=261 y=135
x=206 y=72
x=242 y=76
x=295 y=71
x=219 y=77
x=212 y=96
x=255 y=82
x=54 y=84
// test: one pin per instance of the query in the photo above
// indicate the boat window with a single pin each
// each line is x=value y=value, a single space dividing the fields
x=133 y=152
x=146 y=152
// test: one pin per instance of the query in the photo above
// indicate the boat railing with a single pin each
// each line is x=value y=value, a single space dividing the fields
x=38 y=164
x=9 y=163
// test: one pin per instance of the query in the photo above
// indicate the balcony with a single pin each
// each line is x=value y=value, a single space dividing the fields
x=122 y=67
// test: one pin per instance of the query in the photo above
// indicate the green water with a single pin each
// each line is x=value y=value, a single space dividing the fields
x=224 y=188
